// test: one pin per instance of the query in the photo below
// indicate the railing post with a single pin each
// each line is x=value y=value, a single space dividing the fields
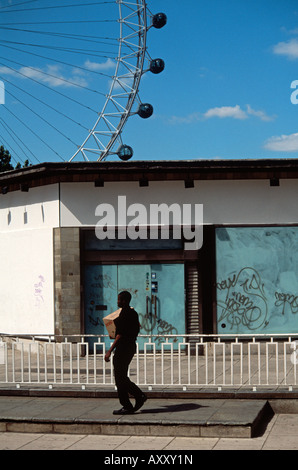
x=2 y=352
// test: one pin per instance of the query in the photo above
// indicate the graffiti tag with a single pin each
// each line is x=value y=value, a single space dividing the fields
x=282 y=300
x=38 y=291
x=149 y=322
x=245 y=302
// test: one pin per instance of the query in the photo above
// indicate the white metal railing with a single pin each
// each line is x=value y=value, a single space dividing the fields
x=187 y=361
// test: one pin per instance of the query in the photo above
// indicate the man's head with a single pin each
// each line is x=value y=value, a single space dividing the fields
x=124 y=299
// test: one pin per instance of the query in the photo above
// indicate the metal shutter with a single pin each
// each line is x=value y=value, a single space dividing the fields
x=192 y=298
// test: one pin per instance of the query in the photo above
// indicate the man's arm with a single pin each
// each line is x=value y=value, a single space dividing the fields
x=109 y=352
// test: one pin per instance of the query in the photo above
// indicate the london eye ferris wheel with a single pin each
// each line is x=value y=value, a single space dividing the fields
x=71 y=75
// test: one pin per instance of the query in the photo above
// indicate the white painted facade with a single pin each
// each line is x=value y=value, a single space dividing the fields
x=27 y=220
x=224 y=202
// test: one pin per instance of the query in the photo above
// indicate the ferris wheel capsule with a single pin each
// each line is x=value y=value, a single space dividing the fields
x=156 y=66
x=145 y=110
x=159 y=20
x=125 y=152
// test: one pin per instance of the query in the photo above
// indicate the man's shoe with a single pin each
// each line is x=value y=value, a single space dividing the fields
x=140 y=402
x=123 y=411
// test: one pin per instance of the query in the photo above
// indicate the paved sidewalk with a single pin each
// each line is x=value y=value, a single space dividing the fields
x=281 y=434
x=169 y=424
x=176 y=417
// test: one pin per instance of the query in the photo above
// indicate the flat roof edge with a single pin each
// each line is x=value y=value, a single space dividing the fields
x=50 y=172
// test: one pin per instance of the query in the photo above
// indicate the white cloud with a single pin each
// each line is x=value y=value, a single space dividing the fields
x=99 y=67
x=260 y=114
x=288 y=49
x=189 y=119
x=223 y=112
x=283 y=143
x=234 y=112
x=50 y=74
x=53 y=76
x=7 y=71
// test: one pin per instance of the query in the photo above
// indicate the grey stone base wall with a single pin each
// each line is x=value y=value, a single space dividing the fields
x=67 y=281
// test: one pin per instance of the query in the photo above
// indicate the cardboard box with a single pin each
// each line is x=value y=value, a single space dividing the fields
x=109 y=323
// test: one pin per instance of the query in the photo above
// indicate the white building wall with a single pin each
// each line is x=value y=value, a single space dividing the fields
x=27 y=221
x=224 y=202
x=26 y=254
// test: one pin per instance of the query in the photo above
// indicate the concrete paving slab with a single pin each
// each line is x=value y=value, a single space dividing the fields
x=95 y=442
x=287 y=425
x=151 y=442
x=239 y=444
x=283 y=433
x=21 y=408
x=276 y=436
x=15 y=441
x=158 y=417
x=187 y=443
x=50 y=442
x=10 y=403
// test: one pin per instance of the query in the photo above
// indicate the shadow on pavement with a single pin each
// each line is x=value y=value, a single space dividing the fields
x=173 y=408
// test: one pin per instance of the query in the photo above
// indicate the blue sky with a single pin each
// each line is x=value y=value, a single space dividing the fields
x=225 y=92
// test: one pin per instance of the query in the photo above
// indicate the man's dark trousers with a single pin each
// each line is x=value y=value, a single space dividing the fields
x=125 y=387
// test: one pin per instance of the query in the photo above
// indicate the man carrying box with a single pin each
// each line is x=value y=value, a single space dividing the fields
x=127 y=329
